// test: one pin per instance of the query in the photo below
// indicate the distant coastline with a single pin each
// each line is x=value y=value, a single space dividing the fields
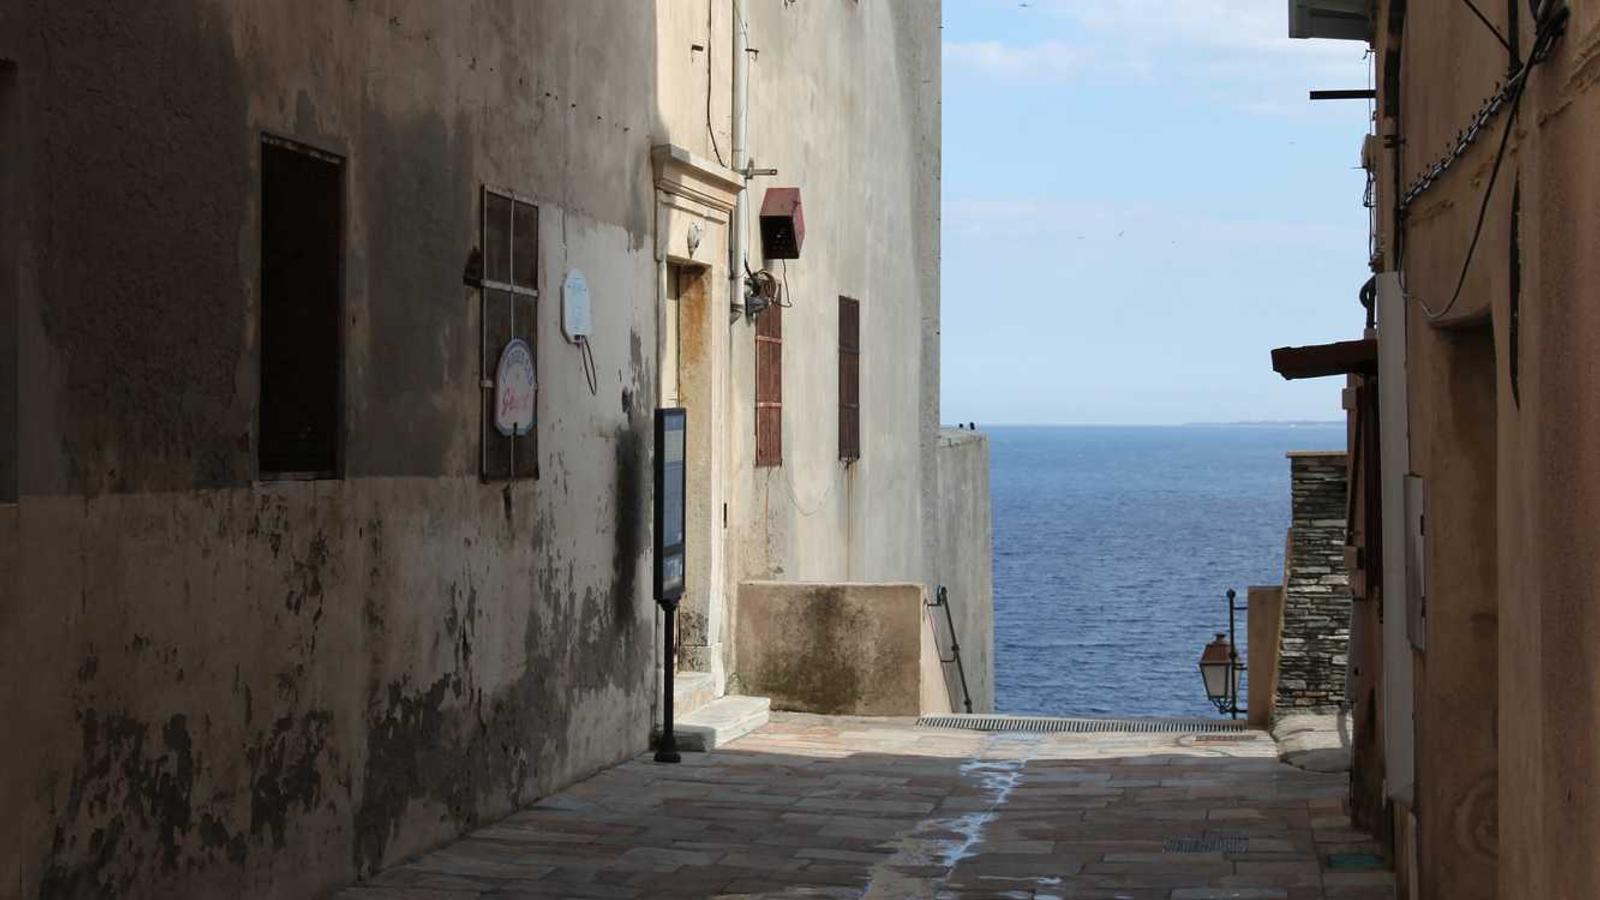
x=1291 y=423
x=1287 y=423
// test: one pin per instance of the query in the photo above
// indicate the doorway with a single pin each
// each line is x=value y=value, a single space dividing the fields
x=687 y=380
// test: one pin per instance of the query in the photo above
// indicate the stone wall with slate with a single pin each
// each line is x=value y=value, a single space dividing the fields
x=1316 y=610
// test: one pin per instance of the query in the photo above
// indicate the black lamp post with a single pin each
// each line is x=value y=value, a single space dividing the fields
x=1220 y=666
x=671 y=430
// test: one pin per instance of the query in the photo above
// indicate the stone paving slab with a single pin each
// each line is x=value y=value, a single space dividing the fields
x=1315 y=742
x=828 y=807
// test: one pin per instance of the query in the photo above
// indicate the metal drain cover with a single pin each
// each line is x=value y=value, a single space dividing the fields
x=1048 y=724
x=1224 y=738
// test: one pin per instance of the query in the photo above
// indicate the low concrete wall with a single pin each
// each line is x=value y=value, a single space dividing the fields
x=837 y=649
x=1264 y=630
x=965 y=565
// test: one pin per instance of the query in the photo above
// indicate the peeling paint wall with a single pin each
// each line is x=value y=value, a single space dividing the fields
x=834 y=649
x=221 y=687
x=231 y=687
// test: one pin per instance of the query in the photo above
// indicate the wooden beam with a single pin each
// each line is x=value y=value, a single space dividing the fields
x=1320 y=360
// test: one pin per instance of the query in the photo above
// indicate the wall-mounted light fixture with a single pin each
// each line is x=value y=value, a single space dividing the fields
x=1220 y=667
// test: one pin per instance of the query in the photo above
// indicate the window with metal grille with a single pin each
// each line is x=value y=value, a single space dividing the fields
x=510 y=288
x=302 y=228
x=769 y=386
x=849 y=379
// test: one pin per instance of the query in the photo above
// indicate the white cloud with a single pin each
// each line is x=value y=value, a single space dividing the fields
x=1238 y=43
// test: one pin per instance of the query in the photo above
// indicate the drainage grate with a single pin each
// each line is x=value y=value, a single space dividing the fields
x=1223 y=738
x=1207 y=845
x=1080 y=726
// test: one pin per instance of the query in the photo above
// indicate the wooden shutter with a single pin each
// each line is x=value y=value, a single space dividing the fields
x=769 y=387
x=849 y=379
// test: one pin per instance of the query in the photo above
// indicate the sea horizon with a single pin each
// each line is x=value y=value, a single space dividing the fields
x=1114 y=547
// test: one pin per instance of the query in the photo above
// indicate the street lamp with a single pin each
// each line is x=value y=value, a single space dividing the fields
x=1220 y=667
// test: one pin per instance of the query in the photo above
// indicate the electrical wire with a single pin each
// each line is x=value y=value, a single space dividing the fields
x=1483 y=208
x=590 y=373
x=783 y=299
x=1489 y=25
x=1551 y=20
x=710 y=42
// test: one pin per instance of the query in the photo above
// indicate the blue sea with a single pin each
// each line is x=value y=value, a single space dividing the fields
x=1113 y=548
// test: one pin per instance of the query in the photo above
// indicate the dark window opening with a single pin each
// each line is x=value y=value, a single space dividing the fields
x=769 y=386
x=302 y=223
x=849 y=379
x=510 y=235
x=10 y=281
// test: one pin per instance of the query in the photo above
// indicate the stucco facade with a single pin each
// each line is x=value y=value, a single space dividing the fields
x=228 y=685
x=1486 y=389
x=867 y=162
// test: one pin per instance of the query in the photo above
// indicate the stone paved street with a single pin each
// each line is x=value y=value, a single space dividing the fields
x=819 y=807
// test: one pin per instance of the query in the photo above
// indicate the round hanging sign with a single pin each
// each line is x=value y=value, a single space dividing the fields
x=514 y=390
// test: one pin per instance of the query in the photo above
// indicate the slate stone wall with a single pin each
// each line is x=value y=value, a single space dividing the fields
x=1316 y=614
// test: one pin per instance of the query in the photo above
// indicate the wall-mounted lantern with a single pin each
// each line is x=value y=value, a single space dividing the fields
x=783 y=225
x=1220 y=667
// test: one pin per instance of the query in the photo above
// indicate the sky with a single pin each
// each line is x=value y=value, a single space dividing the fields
x=1139 y=204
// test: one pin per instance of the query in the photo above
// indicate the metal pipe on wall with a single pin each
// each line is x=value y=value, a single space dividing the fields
x=741 y=74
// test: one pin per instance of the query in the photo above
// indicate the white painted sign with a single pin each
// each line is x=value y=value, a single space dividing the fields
x=575 y=306
x=514 y=390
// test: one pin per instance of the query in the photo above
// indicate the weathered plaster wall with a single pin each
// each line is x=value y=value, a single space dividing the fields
x=406 y=652
x=1263 y=628
x=1454 y=450
x=965 y=565
x=843 y=101
x=837 y=649
x=221 y=687
x=1505 y=428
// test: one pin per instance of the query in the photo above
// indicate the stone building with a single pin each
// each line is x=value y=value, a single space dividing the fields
x=1473 y=406
x=1316 y=607
x=325 y=508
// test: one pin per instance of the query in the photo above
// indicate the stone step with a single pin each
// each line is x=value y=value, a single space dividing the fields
x=720 y=722
x=691 y=691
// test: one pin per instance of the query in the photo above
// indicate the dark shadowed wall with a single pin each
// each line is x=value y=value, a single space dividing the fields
x=217 y=686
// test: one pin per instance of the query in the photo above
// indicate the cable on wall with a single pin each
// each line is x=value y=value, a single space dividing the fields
x=783 y=298
x=1483 y=209
x=590 y=373
x=1552 y=19
x=1489 y=25
x=710 y=42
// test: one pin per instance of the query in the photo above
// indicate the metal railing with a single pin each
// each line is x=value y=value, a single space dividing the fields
x=943 y=599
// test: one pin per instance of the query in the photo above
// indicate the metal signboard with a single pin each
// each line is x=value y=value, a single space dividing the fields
x=671 y=434
x=514 y=387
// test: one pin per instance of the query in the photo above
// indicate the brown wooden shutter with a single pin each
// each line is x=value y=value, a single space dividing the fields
x=849 y=379
x=769 y=387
